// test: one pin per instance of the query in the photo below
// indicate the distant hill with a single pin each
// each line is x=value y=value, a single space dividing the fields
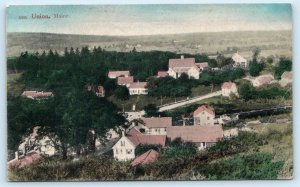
x=270 y=42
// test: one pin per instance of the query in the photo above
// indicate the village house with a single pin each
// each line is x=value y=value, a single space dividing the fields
x=125 y=81
x=154 y=125
x=98 y=90
x=115 y=74
x=138 y=88
x=37 y=95
x=286 y=78
x=183 y=65
x=204 y=116
x=145 y=158
x=229 y=88
x=202 y=66
x=263 y=80
x=202 y=136
x=162 y=74
x=124 y=149
x=239 y=61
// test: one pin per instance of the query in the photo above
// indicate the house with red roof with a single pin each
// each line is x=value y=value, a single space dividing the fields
x=263 y=80
x=145 y=158
x=204 y=116
x=162 y=74
x=37 y=95
x=116 y=74
x=202 y=136
x=124 y=149
x=286 y=78
x=183 y=65
x=125 y=81
x=229 y=88
x=138 y=88
x=154 y=125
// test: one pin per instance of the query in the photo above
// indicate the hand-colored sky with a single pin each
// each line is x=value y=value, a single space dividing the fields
x=151 y=19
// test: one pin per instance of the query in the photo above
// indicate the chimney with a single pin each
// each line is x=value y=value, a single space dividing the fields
x=17 y=155
x=123 y=133
x=182 y=57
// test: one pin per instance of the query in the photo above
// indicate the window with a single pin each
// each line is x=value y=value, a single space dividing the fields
x=121 y=151
x=207 y=117
x=122 y=143
x=204 y=144
x=129 y=151
x=117 y=151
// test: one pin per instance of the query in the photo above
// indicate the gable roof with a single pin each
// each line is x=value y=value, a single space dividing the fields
x=228 y=85
x=36 y=94
x=146 y=158
x=265 y=79
x=196 y=133
x=203 y=108
x=118 y=73
x=182 y=62
x=202 y=65
x=287 y=75
x=238 y=58
x=162 y=74
x=26 y=160
x=138 y=85
x=157 y=122
x=136 y=138
x=125 y=80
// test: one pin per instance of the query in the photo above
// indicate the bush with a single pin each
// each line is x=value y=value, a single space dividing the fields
x=142 y=148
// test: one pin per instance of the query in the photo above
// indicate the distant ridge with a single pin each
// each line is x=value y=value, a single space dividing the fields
x=203 y=42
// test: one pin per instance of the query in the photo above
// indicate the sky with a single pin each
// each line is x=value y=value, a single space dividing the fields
x=126 y=20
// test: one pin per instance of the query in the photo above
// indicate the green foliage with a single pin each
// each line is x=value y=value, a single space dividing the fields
x=122 y=92
x=251 y=167
x=284 y=65
x=178 y=148
x=255 y=68
x=87 y=168
x=248 y=92
x=142 y=148
x=208 y=78
x=151 y=110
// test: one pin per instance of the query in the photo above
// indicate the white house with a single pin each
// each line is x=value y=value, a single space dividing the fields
x=229 y=88
x=286 y=78
x=204 y=116
x=263 y=80
x=154 y=125
x=183 y=65
x=125 y=81
x=202 y=136
x=124 y=149
x=239 y=61
x=115 y=74
x=138 y=88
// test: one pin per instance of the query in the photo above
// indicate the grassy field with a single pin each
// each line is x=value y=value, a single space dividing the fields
x=280 y=146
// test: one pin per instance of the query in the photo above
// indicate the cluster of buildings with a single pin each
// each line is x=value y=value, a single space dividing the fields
x=205 y=132
x=36 y=95
x=124 y=79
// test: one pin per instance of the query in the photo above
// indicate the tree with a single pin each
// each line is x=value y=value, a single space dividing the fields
x=178 y=148
x=122 y=92
x=284 y=65
x=255 y=68
x=142 y=148
x=151 y=110
x=246 y=91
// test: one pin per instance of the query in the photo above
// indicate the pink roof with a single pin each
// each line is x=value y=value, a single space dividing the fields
x=162 y=74
x=146 y=158
x=196 y=133
x=265 y=79
x=136 y=137
x=203 y=108
x=228 y=85
x=118 y=73
x=36 y=94
x=182 y=62
x=28 y=159
x=125 y=80
x=287 y=75
x=138 y=85
x=157 y=122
